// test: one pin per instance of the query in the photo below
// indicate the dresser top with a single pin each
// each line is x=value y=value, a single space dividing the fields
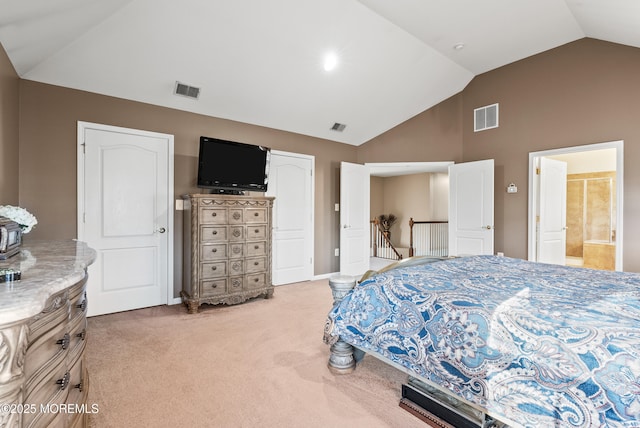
x=47 y=267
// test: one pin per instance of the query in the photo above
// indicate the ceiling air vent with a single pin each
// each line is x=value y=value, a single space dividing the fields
x=338 y=127
x=485 y=118
x=187 y=91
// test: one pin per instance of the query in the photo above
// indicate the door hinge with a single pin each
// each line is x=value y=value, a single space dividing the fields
x=538 y=171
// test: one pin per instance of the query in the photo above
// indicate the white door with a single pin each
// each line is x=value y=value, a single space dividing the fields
x=291 y=183
x=354 y=218
x=471 y=208
x=552 y=230
x=125 y=212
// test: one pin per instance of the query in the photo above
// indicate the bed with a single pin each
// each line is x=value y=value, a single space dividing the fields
x=529 y=344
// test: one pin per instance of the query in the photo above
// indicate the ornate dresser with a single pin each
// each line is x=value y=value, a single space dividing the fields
x=227 y=249
x=43 y=376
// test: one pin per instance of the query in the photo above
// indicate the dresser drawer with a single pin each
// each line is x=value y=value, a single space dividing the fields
x=213 y=287
x=256 y=215
x=78 y=336
x=213 y=233
x=236 y=233
x=257 y=264
x=235 y=284
x=213 y=216
x=210 y=252
x=46 y=353
x=236 y=267
x=257 y=231
x=237 y=250
x=258 y=248
x=257 y=280
x=51 y=392
x=236 y=216
x=213 y=270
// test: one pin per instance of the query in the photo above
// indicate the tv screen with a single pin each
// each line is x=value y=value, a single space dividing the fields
x=231 y=166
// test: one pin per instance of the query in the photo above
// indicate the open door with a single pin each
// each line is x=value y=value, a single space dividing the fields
x=471 y=208
x=354 y=218
x=552 y=214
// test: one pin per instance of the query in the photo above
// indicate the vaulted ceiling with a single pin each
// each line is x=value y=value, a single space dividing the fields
x=261 y=62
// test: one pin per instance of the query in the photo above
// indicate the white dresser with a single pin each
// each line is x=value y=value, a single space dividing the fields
x=43 y=376
x=227 y=249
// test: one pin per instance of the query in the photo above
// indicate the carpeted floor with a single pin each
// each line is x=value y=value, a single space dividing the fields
x=258 y=364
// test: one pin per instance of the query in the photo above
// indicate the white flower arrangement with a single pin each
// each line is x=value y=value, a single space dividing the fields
x=24 y=218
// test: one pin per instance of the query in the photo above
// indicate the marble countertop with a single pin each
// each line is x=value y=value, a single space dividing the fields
x=47 y=267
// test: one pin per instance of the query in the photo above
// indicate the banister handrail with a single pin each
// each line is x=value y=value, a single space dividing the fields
x=411 y=223
x=385 y=238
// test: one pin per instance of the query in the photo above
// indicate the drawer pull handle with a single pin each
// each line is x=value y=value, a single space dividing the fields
x=66 y=339
x=215 y=232
x=79 y=386
x=256 y=263
x=256 y=280
x=82 y=306
x=214 y=267
x=255 y=247
x=82 y=334
x=214 y=214
x=256 y=214
x=215 y=250
x=214 y=286
x=257 y=230
x=64 y=382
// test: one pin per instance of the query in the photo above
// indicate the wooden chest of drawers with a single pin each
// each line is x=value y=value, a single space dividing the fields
x=44 y=381
x=227 y=249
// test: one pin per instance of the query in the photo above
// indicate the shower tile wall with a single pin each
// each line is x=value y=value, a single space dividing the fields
x=591 y=214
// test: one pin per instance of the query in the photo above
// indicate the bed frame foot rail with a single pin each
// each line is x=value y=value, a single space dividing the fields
x=341 y=359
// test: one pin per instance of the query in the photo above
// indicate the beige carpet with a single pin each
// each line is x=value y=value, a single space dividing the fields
x=258 y=364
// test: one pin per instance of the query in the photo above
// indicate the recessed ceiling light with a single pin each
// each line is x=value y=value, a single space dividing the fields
x=458 y=46
x=330 y=61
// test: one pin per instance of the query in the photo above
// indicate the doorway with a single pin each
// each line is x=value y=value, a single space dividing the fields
x=594 y=166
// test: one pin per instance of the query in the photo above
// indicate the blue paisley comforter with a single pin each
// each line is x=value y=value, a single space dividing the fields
x=536 y=344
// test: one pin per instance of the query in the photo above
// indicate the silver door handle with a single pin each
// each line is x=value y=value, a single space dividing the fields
x=488 y=227
x=162 y=230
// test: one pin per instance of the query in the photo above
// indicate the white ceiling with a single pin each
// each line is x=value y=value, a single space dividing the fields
x=260 y=62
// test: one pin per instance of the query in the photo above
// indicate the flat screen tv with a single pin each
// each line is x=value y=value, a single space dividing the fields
x=231 y=167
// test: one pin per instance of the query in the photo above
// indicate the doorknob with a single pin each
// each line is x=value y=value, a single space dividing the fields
x=162 y=230
x=487 y=227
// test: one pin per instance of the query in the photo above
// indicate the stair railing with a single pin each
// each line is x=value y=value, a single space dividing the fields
x=381 y=245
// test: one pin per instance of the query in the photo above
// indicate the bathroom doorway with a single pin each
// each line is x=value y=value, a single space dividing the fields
x=593 y=225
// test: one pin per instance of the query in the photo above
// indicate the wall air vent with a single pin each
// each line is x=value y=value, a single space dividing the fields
x=485 y=117
x=186 y=90
x=338 y=127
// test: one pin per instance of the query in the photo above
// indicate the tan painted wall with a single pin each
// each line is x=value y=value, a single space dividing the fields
x=584 y=92
x=49 y=116
x=9 y=101
x=581 y=93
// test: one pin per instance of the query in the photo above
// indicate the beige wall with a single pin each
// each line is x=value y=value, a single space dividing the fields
x=581 y=93
x=584 y=92
x=9 y=83
x=48 y=126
